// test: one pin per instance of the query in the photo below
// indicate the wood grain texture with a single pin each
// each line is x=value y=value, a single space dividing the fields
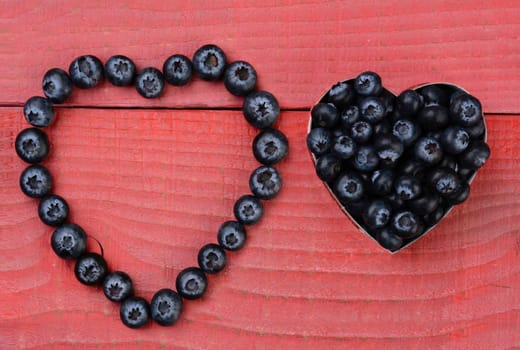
x=154 y=184
x=298 y=47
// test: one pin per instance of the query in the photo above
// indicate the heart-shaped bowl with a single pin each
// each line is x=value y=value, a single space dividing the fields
x=342 y=96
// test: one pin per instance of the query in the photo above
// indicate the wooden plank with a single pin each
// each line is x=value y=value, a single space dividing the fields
x=299 y=49
x=154 y=185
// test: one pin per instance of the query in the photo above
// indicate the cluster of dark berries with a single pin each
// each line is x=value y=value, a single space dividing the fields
x=69 y=240
x=397 y=164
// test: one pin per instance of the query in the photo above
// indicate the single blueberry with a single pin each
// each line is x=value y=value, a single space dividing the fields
x=265 y=182
x=270 y=146
x=209 y=62
x=120 y=70
x=117 y=286
x=32 y=145
x=191 y=283
x=149 y=82
x=166 y=307
x=248 y=209
x=86 y=71
x=90 y=269
x=134 y=312
x=38 y=111
x=53 y=210
x=36 y=181
x=240 y=78
x=211 y=258
x=57 y=85
x=231 y=235
x=177 y=70
x=69 y=241
x=261 y=109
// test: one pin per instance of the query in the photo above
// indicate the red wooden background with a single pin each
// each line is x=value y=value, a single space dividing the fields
x=154 y=183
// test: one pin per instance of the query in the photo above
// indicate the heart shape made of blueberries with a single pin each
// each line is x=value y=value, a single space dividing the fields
x=397 y=164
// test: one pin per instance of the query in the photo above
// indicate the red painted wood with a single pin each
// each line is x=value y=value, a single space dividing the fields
x=298 y=48
x=154 y=185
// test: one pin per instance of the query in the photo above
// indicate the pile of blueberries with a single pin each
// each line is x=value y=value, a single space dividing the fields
x=397 y=164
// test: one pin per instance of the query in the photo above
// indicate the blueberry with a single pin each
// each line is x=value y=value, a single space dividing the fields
x=53 y=210
x=340 y=94
x=406 y=224
x=231 y=235
x=117 y=286
x=381 y=181
x=349 y=116
x=211 y=258
x=270 y=146
x=166 y=307
x=388 y=148
x=248 y=209
x=466 y=173
x=36 y=181
x=57 y=85
x=395 y=201
x=69 y=241
x=466 y=110
x=261 y=109
x=446 y=182
x=412 y=167
x=324 y=115
x=265 y=182
x=475 y=155
x=32 y=145
x=240 y=78
x=407 y=187
x=434 y=217
x=134 y=312
x=177 y=70
x=372 y=109
x=319 y=141
x=38 y=111
x=455 y=94
x=476 y=131
x=434 y=95
x=149 y=82
x=349 y=187
x=425 y=204
x=90 y=269
x=86 y=71
x=377 y=214
x=361 y=131
x=368 y=84
x=356 y=208
x=365 y=159
x=328 y=167
x=343 y=147
x=406 y=130
x=433 y=117
x=428 y=150
x=461 y=195
x=191 y=283
x=120 y=70
x=448 y=161
x=409 y=102
x=454 y=139
x=381 y=128
x=388 y=239
x=209 y=62
x=389 y=101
